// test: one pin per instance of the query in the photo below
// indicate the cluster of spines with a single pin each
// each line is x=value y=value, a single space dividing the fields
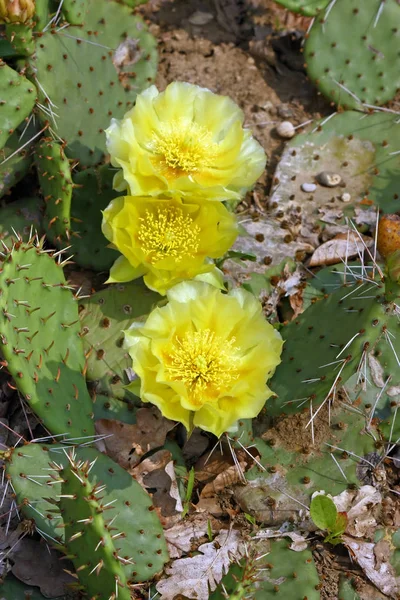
x=80 y=498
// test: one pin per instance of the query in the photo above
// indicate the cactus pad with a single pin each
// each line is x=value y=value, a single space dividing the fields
x=352 y=52
x=130 y=506
x=39 y=339
x=14 y=163
x=271 y=570
x=363 y=149
x=92 y=193
x=90 y=540
x=97 y=90
x=55 y=180
x=13 y=589
x=17 y=99
x=321 y=353
x=75 y=11
x=295 y=470
x=20 y=217
x=309 y=8
x=104 y=316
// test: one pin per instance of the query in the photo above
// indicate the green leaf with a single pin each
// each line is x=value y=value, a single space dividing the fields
x=323 y=512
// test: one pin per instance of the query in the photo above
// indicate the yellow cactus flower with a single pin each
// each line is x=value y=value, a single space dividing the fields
x=187 y=140
x=166 y=240
x=204 y=358
x=16 y=11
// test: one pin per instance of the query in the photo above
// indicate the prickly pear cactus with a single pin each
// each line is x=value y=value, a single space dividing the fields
x=351 y=52
x=273 y=571
x=116 y=57
x=12 y=589
x=55 y=180
x=309 y=8
x=104 y=316
x=75 y=11
x=322 y=353
x=360 y=148
x=291 y=472
x=18 y=97
x=20 y=217
x=39 y=339
x=90 y=540
x=14 y=162
x=92 y=193
x=129 y=507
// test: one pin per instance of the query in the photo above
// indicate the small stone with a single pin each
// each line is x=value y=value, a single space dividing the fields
x=284 y=111
x=200 y=18
x=329 y=179
x=309 y=188
x=285 y=129
x=346 y=197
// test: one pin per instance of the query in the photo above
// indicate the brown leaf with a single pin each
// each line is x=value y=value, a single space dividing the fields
x=229 y=477
x=157 y=473
x=342 y=246
x=156 y=461
x=181 y=536
x=129 y=442
x=36 y=564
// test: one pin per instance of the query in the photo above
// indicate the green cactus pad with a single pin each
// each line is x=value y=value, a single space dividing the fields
x=113 y=409
x=17 y=96
x=14 y=163
x=361 y=148
x=20 y=36
x=90 y=540
x=351 y=52
x=20 y=216
x=13 y=589
x=92 y=193
x=95 y=92
x=309 y=8
x=340 y=457
x=56 y=183
x=131 y=506
x=324 y=345
x=271 y=570
x=75 y=11
x=132 y=3
x=42 y=14
x=40 y=340
x=104 y=316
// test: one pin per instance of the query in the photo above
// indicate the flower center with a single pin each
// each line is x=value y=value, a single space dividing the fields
x=205 y=362
x=183 y=148
x=168 y=233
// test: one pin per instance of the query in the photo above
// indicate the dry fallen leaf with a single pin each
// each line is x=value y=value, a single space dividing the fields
x=343 y=245
x=193 y=577
x=156 y=461
x=358 y=504
x=377 y=569
x=127 y=443
x=231 y=476
x=181 y=536
x=157 y=473
x=299 y=542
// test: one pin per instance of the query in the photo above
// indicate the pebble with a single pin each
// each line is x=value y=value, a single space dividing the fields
x=285 y=129
x=329 y=179
x=284 y=111
x=345 y=197
x=308 y=187
x=200 y=18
